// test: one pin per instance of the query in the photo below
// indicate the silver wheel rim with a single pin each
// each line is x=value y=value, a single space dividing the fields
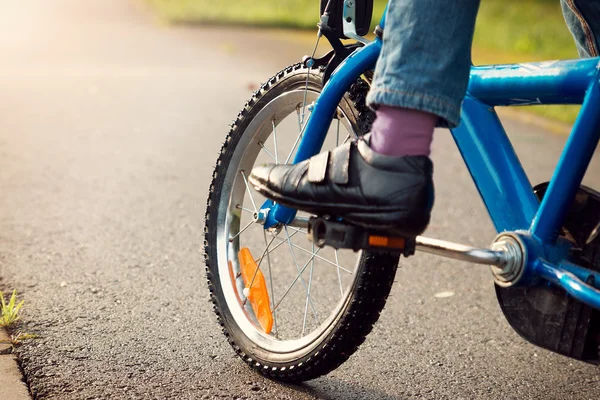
x=232 y=229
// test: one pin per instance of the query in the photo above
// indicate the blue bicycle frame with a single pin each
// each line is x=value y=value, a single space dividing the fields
x=491 y=159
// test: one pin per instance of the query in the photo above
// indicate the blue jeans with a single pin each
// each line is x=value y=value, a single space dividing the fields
x=426 y=55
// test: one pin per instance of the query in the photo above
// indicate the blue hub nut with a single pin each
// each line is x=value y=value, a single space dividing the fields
x=261 y=216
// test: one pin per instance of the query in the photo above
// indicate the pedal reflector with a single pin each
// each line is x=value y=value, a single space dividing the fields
x=258 y=296
x=388 y=242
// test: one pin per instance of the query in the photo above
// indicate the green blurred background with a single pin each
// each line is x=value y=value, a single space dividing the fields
x=507 y=31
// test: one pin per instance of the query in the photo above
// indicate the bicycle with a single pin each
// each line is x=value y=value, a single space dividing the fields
x=545 y=260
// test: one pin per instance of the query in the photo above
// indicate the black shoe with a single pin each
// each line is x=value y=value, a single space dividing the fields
x=354 y=182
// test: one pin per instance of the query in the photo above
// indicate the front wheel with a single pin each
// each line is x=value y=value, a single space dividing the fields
x=320 y=303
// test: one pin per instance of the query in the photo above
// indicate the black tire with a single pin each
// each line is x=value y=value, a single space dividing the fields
x=373 y=277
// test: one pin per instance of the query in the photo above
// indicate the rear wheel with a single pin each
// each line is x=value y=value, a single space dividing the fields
x=321 y=302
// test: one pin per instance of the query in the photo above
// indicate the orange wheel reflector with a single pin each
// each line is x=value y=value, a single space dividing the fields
x=258 y=295
x=384 y=241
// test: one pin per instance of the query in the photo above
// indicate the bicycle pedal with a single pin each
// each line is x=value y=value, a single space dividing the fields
x=342 y=235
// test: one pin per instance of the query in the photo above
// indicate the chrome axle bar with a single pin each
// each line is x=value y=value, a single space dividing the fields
x=461 y=252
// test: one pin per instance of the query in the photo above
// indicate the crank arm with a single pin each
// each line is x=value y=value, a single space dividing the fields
x=506 y=256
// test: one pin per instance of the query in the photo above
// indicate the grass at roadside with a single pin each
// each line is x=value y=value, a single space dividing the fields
x=9 y=310
x=9 y=319
x=300 y=14
x=506 y=32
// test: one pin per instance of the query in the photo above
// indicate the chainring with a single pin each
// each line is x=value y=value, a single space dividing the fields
x=546 y=315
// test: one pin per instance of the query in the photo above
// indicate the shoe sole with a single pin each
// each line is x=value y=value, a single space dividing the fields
x=393 y=221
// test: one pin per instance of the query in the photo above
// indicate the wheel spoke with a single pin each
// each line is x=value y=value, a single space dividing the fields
x=299 y=120
x=262 y=146
x=275 y=142
x=295 y=279
x=281 y=241
x=337 y=133
x=271 y=284
x=297 y=230
x=322 y=259
x=241 y=231
x=239 y=207
x=310 y=279
x=248 y=190
x=316 y=256
x=337 y=261
x=294 y=146
x=298 y=269
x=304 y=101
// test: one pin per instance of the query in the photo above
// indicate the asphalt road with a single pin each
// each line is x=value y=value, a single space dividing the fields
x=110 y=124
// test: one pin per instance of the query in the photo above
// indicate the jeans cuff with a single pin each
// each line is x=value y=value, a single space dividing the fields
x=439 y=105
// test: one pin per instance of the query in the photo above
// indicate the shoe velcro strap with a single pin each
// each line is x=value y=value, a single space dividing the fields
x=340 y=163
x=317 y=167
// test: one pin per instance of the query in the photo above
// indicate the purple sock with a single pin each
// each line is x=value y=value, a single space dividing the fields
x=402 y=132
